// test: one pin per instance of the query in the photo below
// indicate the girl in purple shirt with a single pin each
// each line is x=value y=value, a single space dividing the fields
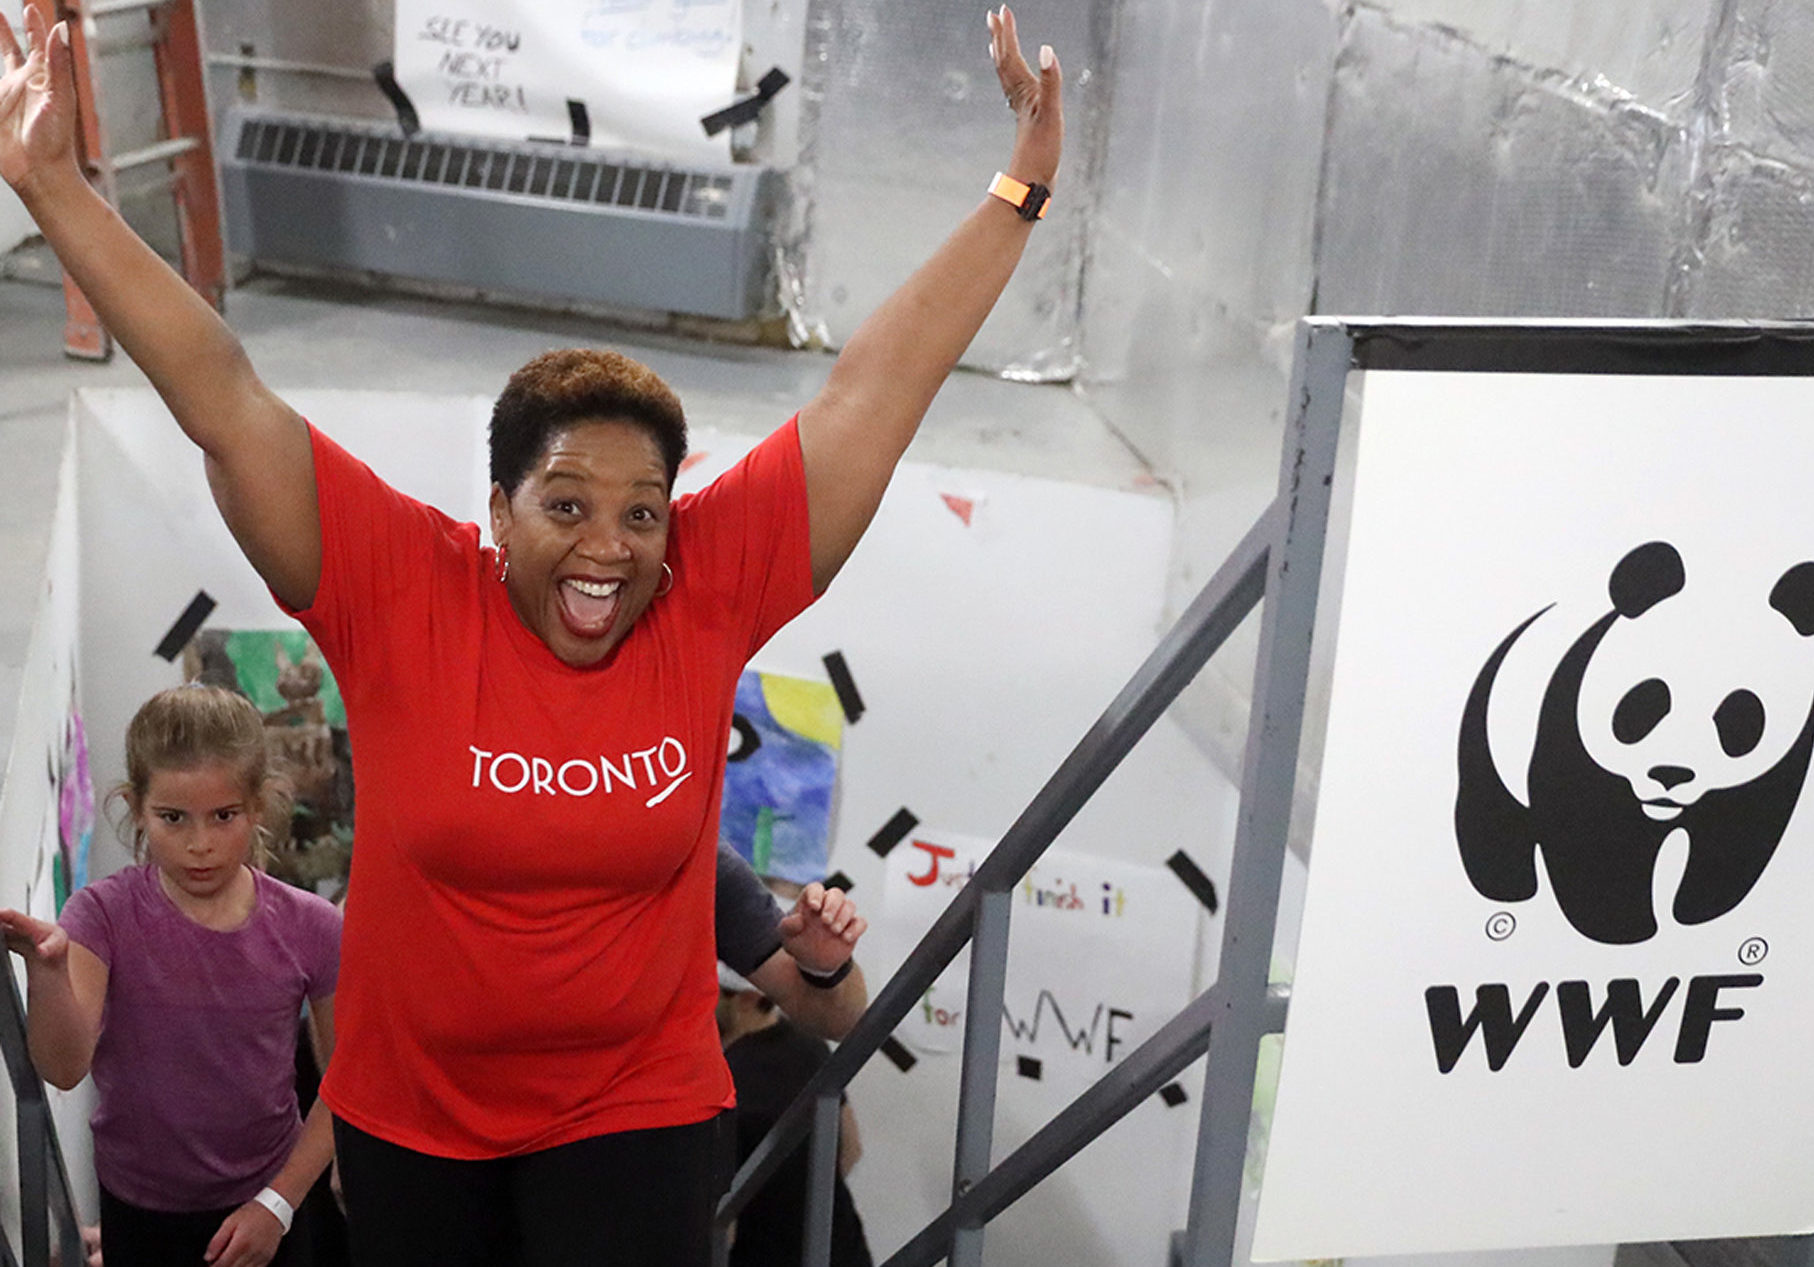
x=179 y=983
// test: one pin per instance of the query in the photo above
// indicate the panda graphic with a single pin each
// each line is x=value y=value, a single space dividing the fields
x=1665 y=742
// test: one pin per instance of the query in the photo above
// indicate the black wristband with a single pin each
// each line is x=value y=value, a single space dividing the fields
x=826 y=981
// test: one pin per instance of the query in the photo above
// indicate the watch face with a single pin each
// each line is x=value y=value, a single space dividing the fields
x=1033 y=206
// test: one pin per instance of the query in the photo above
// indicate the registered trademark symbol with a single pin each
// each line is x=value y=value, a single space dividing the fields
x=1752 y=951
x=1501 y=925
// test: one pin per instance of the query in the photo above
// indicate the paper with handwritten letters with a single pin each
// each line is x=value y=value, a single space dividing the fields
x=1099 y=955
x=621 y=74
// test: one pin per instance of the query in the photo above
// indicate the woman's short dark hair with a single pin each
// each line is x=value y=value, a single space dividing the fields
x=572 y=385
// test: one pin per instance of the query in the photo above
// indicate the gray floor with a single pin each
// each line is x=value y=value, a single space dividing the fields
x=318 y=334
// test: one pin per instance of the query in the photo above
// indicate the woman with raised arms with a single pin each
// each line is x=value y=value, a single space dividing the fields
x=527 y=1066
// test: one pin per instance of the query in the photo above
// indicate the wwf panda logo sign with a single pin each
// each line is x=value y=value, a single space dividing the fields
x=1712 y=758
x=1553 y=965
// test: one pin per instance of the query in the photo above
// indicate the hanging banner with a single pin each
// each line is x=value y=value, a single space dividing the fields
x=625 y=74
x=1553 y=978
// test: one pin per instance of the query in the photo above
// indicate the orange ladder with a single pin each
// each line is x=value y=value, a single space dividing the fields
x=187 y=152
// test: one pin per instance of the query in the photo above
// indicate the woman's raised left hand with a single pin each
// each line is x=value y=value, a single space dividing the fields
x=1035 y=97
x=822 y=930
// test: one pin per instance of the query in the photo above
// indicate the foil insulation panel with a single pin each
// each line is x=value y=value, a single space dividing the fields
x=1749 y=254
x=1209 y=179
x=905 y=126
x=1753 y=258
x=1202 y=246
x=1648 y=50
x=1460 y=184
x=1766 y=80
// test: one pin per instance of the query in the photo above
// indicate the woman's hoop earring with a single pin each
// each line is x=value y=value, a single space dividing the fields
x=503 y=567
x=667 y=580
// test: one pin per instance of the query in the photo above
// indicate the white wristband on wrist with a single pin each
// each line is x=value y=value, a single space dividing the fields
x=272 y=1200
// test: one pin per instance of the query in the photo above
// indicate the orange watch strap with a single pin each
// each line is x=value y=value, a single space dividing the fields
x=1015 y=193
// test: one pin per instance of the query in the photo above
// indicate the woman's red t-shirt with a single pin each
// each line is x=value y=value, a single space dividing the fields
x=528 y=956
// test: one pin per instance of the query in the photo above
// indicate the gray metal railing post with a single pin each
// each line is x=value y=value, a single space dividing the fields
x=982 y=1056
x=821 y=1180
x=43 y=1182
x=1269 y=777
x=30 y=1124
x=34 y=1184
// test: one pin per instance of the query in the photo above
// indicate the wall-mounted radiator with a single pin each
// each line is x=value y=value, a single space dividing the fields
x=531 y=218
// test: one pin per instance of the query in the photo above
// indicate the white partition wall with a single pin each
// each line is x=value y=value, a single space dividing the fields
x=40 y=839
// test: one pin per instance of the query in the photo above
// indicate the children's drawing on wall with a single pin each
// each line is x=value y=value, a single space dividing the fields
x=282 y=672
x=73 y=787
x=782 y=774
x=1099 y=955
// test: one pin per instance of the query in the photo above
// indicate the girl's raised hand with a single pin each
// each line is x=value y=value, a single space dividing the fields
x=1035 y=98
x=35 y=939
x=37 y=100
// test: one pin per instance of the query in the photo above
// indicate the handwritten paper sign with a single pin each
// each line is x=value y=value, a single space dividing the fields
x=1099 y=955
x=626 y=74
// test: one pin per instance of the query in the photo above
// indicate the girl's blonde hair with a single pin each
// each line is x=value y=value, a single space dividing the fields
x=189 y=726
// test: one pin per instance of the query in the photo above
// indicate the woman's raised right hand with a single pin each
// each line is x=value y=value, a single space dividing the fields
x=37 y=940
x=37 y=101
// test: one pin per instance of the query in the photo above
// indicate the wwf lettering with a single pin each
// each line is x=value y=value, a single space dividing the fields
x=1624 y=1010
x=659 y=770
x=1082 y=1037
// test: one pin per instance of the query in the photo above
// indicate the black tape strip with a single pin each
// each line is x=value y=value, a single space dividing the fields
x=580 y=121
x=384 y=74
x=1029 y=1067
x=838 y=880
x=748 y=739
x=740 y=112
x=898 y=1054
x=186 y=624
x=1200 y=885
x=844 y=685
x=1173 y=1095
x=893 y=832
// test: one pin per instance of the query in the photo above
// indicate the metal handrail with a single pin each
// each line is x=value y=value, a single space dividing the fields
x=43 y=1176
x=1235 y=590
x=1277 y=567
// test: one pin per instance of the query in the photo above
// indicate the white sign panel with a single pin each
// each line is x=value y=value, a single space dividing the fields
x=1554 y=979
x=635 y=74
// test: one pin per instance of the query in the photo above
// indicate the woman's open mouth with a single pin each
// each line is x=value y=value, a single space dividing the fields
x=588 y=607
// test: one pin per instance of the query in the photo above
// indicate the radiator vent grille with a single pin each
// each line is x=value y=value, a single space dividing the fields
x=548 y=173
